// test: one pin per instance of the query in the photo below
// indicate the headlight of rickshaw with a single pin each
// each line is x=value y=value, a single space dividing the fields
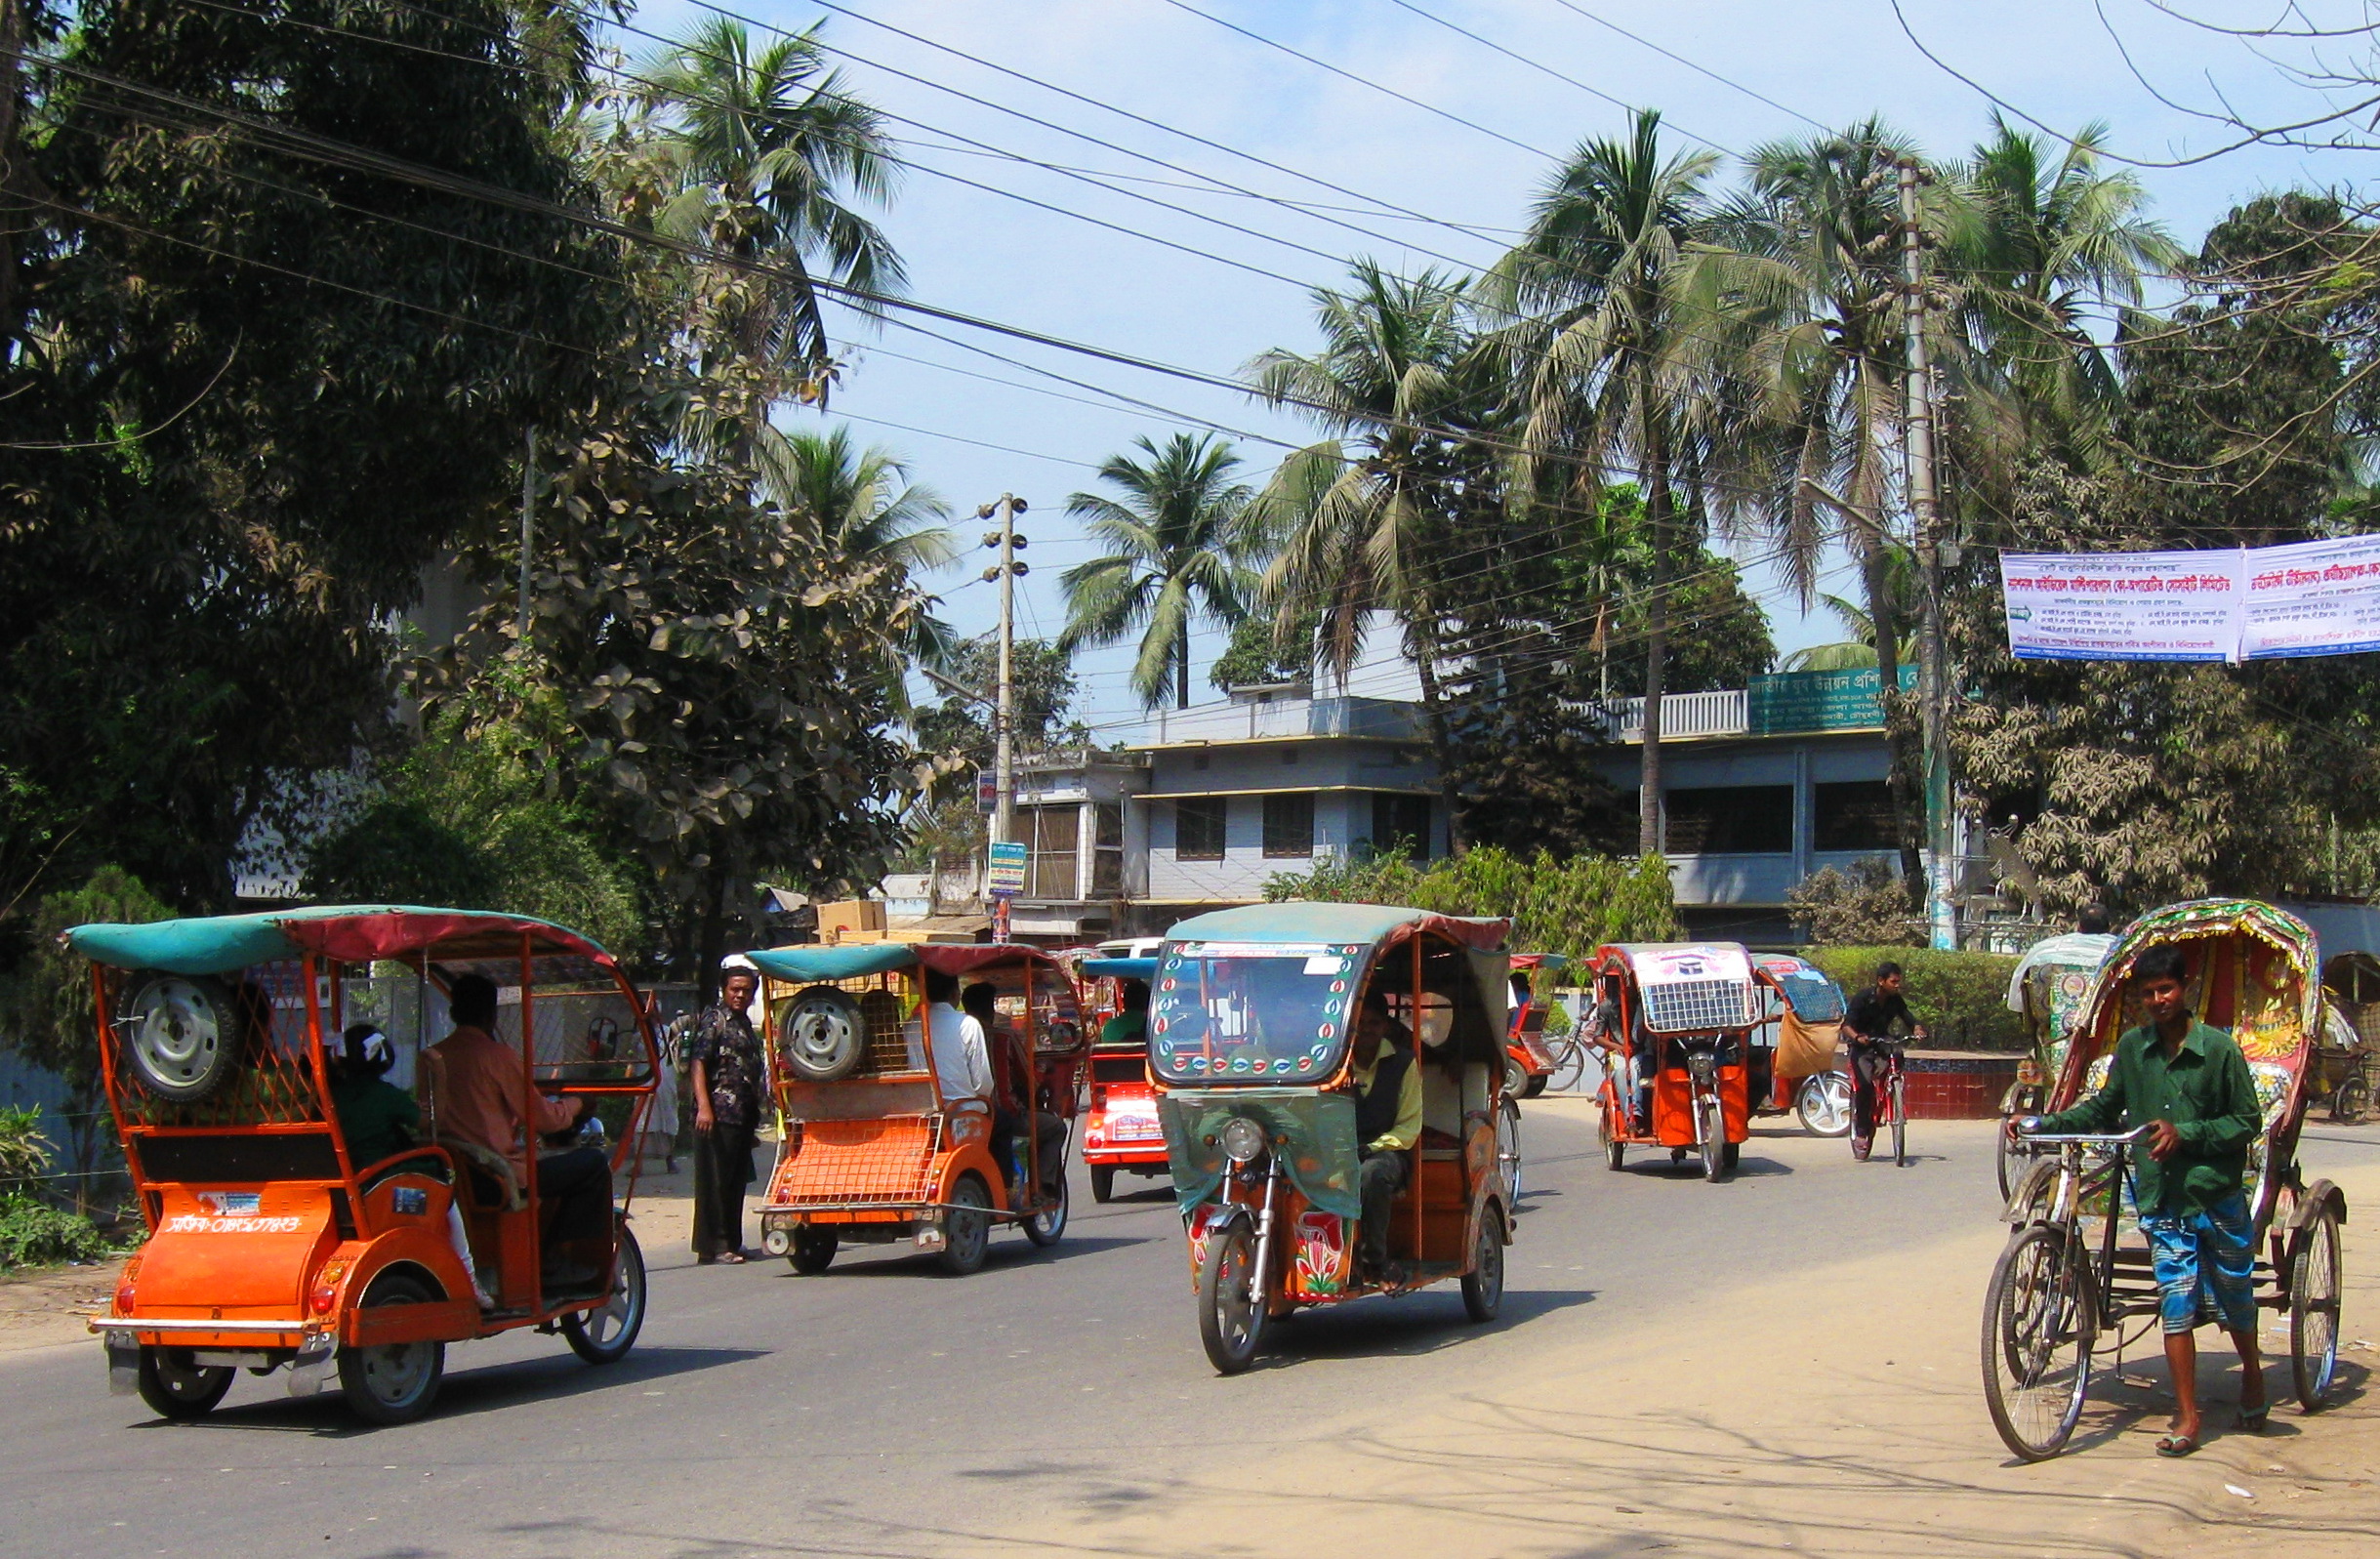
x=1243 y=1141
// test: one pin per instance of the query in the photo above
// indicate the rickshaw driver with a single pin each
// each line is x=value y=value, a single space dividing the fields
x=1869 y=1017
x=2189 y=1079
x=1387 y=1124
x=486 y=1102
x=1014 y=1087
x=1131 y=1024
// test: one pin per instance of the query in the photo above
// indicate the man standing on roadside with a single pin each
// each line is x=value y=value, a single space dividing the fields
x=724 y=1060
x=1869 y=1018
x=2190 y=1083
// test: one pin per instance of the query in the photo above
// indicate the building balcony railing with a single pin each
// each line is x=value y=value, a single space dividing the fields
x=1720 y=713
x=1380 y=719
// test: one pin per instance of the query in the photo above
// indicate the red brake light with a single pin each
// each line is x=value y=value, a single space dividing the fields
x=124 y=1287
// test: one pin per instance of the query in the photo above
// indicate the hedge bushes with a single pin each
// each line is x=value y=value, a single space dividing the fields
x=1960 y=997
x=1569 y=905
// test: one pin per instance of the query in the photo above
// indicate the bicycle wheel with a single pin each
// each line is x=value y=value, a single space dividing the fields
x=1897 y=1097
x=1569 y=1065
x=1508 y=1144
x=2040 y=1322
x=2313 y=1309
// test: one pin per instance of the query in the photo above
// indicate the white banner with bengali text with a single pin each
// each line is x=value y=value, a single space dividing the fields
x=2125 y=606
x=2313 y=598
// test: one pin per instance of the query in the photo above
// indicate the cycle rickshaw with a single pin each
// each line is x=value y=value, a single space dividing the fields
x=2047 y=989
x=1797 y=1070
x=2077 y=1266
x=872 y=1153
x=1686 y=1012
x=1120 y=1130
x=269 y=1246
x=1249 y=1033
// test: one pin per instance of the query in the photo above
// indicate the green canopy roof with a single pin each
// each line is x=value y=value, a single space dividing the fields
x=355 y=933
x=1299 y=920
x=823 y=963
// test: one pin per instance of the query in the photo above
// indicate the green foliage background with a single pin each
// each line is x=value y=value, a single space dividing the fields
x=1557 y=904
x=1960 y=997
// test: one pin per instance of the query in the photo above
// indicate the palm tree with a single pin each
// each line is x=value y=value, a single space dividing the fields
x=2036 y=236
x=868 y=510
x=1815 y=247
x=765 y=153
x=1179 y=546
x=1609 y=348
x=1402 y=390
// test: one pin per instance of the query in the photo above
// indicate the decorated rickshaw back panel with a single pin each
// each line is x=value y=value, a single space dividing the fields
x=890 y=1161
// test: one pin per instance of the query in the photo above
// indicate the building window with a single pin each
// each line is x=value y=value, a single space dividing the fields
x=1107 y=851
x=1197 y=828
x=1400 y=824
x=1052 y=832
x=1855 y=815
x=1731 y=820
x=1289 y=824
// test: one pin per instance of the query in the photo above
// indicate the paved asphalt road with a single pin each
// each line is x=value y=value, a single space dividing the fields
x=882 y=1409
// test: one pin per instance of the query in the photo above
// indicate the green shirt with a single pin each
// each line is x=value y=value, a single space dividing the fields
x=379 y=1118
x=1125 y=1028
x=2205 y=1089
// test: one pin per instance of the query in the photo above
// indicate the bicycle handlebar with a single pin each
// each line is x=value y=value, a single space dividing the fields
x=2103 y=1139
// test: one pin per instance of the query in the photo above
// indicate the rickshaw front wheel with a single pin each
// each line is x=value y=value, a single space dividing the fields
x=2314 y=1307
x=1615 y=1151
x=967 y=1228
x=392 y=1382
x=1044 y=1228
x=1483 y=1287
x=1230 y=1321
x=175 y=1388
x=605 y=1334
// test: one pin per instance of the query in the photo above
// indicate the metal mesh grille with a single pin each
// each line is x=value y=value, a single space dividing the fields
x=1692 y=1004
x=276 y=1085
x=836 y=1163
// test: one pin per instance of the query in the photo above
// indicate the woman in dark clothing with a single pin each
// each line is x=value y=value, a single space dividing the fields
x=728 y=1083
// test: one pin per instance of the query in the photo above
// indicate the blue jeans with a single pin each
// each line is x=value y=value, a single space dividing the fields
x=2205 y=1266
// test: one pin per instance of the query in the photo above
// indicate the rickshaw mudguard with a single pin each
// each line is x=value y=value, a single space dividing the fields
x=2316 y=1197
x=1319 y=1152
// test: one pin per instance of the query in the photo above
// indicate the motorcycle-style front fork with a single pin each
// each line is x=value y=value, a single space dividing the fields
x=1266 y=1222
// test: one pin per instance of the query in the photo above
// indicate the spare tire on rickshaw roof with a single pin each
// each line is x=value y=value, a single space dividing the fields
x=822 y=1034
x=182 y=1037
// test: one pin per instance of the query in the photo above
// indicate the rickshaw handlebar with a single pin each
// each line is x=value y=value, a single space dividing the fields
x=2103 y=1139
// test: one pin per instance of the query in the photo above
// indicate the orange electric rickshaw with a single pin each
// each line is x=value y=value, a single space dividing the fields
x=268 y=1244
x=1680 y=1049
x=873 y=1153
x=1120 y=1130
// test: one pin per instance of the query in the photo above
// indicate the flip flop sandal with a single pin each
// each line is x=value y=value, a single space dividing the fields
x=2254 y=1422
x=2175 y=1445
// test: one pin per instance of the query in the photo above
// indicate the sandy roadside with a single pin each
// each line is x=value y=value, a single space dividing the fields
x=1835 y=1414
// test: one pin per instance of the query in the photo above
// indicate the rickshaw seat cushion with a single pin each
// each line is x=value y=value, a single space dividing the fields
x=496 y=1167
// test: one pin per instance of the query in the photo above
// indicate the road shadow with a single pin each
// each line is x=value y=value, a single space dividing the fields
x=1426 y=1321
x=884 y=1261
x=464 y=1393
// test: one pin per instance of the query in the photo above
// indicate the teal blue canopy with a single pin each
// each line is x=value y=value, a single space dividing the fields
x=1119 y=969
x=351 y=934
x=823 y=963
x=1299 y=920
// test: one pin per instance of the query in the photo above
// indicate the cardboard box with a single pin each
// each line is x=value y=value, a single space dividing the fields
x=850 y=915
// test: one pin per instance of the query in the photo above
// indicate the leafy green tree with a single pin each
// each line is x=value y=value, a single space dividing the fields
x=961 y=726
x=1569 y=905
x=1179 y=546
x=252 y=392
x=1261 y=650
x=869 y=511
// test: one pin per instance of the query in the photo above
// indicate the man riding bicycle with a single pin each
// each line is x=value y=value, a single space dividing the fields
x=1868 y=1028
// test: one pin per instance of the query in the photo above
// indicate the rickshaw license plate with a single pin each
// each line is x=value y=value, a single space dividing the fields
x=1133 y=1127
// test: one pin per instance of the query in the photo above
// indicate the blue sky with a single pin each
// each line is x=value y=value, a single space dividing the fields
x=987 y=254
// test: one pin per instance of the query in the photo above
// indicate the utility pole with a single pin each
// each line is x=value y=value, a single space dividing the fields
x=1004 y=716
x=1925 y=514
x=528 y=499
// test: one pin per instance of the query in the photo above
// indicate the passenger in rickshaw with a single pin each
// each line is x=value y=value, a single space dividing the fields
x=380 y=1121
x=951 y=1042
x=1013 y=1087
x=1131 y=1024
x=1387 y=1124
x=484 y=1101
x=2189 y=1081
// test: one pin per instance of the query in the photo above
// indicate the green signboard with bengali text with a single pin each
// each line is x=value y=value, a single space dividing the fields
x=1819 y=701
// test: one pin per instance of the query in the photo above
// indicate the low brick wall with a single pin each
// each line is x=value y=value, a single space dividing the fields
x=1957 y=1084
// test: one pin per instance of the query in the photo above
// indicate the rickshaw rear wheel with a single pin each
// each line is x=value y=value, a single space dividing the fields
x=2313 y=1308
x=1615 y=1151
x=813 y=1251
x=392 y=1382
x=2040 y=1321
x=1102 y=1182
x=1230 y=1324
x=1508 y=1144
x=1483 y=1287
x=175 y=1388
x=1535 y=1086
x=603 y=1335
x=1822 y=1104
x=1045 y=1228
x=967 y=1228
